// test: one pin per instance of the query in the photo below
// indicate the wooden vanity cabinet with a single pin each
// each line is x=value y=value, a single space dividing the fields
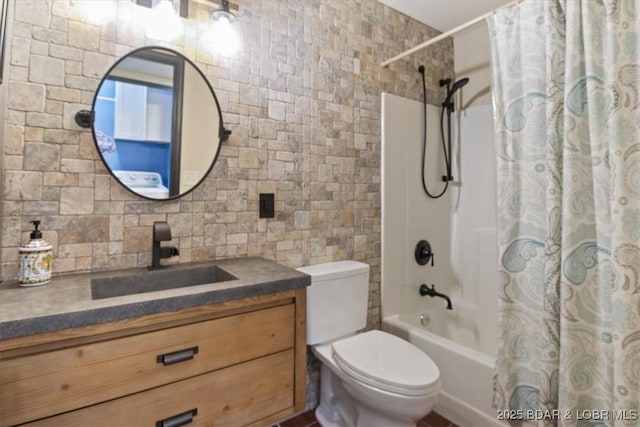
x=236 y=363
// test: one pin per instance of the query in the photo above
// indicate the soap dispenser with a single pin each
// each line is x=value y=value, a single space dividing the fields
x=35 y=259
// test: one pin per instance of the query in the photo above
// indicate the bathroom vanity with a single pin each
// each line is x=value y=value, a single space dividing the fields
x=228 y=353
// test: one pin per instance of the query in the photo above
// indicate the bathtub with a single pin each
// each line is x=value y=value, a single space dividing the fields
x=466 y=373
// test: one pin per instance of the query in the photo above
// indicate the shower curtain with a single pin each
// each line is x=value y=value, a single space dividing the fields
x=566 y=87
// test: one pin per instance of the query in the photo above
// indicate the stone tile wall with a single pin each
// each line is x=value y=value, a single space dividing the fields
x=302 y=99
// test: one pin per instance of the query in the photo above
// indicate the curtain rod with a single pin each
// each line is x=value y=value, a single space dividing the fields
x=449 y=33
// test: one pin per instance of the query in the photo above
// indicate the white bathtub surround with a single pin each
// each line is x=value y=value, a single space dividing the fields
x=461 y=229
x=408 y=215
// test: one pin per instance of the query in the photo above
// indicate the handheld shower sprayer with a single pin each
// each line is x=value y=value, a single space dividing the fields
x=459 y=84
x=451 y=90
x=447 y=106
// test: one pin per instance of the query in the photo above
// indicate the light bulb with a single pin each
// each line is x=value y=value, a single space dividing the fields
x=163 y=23
x=222 y=37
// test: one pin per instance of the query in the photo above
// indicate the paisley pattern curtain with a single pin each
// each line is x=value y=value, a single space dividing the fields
x=566 y=87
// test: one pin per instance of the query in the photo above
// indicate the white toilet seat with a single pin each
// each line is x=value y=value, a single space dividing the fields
x=386 y=362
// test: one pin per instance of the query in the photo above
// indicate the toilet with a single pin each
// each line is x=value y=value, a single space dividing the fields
x=368 y=379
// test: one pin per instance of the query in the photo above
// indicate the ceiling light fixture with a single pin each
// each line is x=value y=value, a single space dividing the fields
x=162 y=22
x=222 y=37
x=223 y=12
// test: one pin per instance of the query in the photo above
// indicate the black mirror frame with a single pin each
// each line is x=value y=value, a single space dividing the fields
x=86 y=118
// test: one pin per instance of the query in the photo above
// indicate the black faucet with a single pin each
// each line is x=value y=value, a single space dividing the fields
x=161 y=233
x=431 y=291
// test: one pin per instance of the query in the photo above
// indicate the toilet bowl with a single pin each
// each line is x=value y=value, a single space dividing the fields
x=392 y=383
x=368 y=379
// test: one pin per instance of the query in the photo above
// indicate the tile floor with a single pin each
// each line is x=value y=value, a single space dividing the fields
x=308 y=419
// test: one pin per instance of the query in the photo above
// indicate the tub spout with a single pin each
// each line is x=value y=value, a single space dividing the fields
x=431 y=291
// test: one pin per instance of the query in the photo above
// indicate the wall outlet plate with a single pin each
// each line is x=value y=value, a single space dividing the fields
x=267 y=205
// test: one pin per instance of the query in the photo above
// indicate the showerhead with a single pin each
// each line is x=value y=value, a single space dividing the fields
x=457 y=85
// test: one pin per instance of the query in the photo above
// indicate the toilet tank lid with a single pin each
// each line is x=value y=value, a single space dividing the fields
x=334 y=270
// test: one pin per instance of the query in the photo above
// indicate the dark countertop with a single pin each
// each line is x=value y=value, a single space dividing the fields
x=66 y=302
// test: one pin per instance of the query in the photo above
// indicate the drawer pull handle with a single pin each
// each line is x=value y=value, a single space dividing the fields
x=177 y=356
x=178 y=420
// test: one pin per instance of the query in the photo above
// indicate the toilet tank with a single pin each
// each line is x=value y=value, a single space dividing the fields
x=337 y=300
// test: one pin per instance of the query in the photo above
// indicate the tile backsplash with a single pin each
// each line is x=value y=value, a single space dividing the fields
x=302 y=98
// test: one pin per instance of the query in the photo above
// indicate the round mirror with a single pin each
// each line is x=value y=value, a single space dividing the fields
x=157 y=123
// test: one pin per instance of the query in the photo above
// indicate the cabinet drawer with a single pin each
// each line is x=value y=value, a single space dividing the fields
x=40 y=385
x=260 y=388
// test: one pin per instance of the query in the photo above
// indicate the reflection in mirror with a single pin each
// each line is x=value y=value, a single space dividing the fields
x=157 y=123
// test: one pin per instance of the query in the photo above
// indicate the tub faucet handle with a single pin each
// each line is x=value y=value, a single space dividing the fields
x=423 y=253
